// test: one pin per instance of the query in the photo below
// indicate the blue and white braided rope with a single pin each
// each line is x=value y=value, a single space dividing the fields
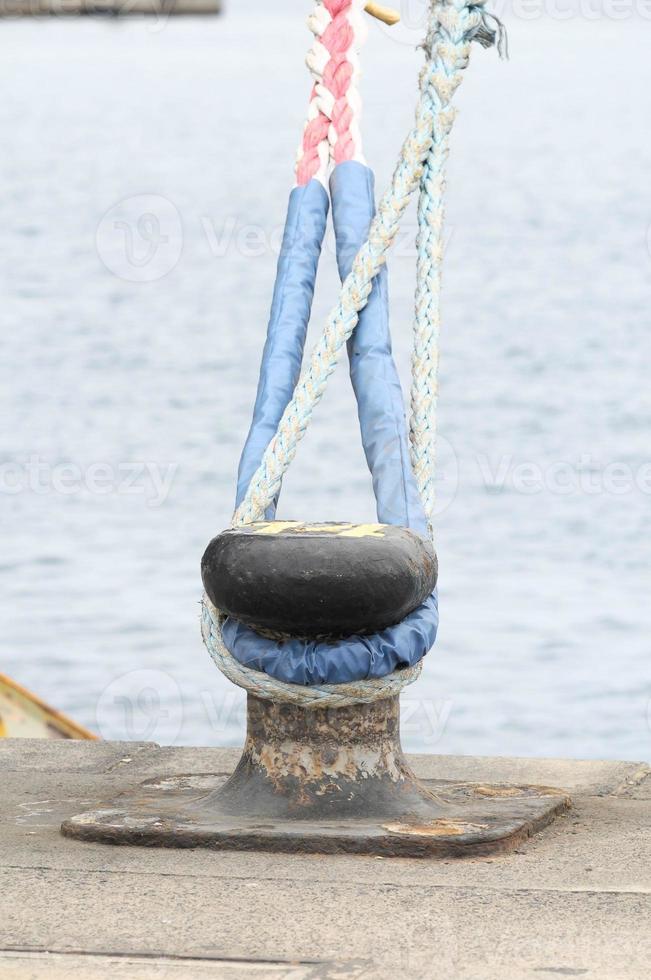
x=453 y=28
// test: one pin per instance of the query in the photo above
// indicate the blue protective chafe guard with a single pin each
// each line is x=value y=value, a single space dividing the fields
x=382 y=424
x=307 y=215
x=353 y=658
x=374 y=376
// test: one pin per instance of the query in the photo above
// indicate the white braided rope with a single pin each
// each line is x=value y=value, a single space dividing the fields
x=323 y=149
x=322 y=696
x=316 y=63
x=316 y=60
x=322 y=99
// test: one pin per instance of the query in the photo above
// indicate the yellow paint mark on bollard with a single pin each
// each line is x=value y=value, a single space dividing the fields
x=272 y=527
x=365 y=531
x=341 y=530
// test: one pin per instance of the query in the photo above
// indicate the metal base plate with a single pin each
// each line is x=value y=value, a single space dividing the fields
x=183 y=811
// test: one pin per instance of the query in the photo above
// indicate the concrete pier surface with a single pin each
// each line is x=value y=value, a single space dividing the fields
x=575 y=901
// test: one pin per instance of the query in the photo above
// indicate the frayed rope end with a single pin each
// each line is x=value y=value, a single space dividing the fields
x=493 y=33
x=490 y=32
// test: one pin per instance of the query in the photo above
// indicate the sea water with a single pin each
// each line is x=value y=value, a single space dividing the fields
x=143 y=180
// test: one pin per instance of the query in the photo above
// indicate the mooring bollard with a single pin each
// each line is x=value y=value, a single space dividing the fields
x=317 y=764
x=322 y=767
x=324 y=624
x=324 y=780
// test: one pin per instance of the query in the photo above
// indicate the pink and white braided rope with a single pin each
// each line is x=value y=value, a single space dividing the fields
x=332 y=134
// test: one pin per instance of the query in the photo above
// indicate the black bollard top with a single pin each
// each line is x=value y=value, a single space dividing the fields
x=318 y=579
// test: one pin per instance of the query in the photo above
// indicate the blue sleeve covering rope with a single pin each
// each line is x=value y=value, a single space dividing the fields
x=380 y=403
x=305 y=225
x=353 y=658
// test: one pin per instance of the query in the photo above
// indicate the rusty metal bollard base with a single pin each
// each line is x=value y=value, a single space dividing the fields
x=324 y=781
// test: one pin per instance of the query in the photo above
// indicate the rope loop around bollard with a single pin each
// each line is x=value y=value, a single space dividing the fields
x=268 y=688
